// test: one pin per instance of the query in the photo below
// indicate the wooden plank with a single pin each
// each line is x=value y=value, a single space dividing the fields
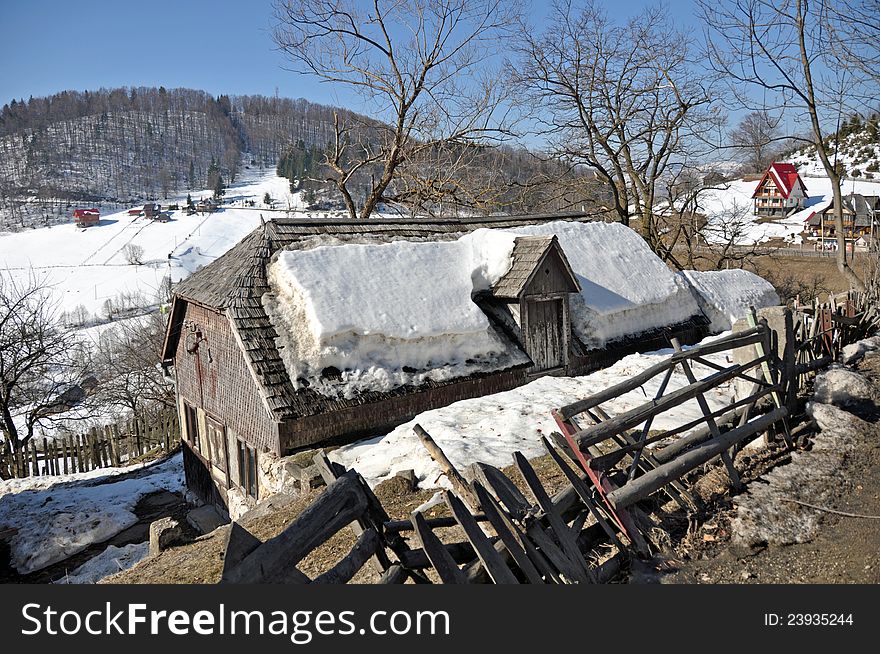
x=583 y=492
x=629 y=419
x=112 y=434
x=239 y=543
x=446 y=567
x=739 y=339
x=341 y=573
x=461 y=552
x=396 y=574
x=508 y=533
x=649 y=482
x=273 y=561
x=459 y=483
x=560 y=529
x=330 y=472
x=35 y=457
x=504 y=489
x=56 y=457
x=565 y=568
x=732 y=474
x=396 y=526
x=491 y=560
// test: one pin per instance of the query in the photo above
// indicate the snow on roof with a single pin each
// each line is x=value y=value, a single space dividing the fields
x=390 y=314
x=376 y=316
x=625 y=288
x=726 y=295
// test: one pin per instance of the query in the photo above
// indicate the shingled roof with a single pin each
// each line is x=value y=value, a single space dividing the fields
x=236 y=282
x=528 y=252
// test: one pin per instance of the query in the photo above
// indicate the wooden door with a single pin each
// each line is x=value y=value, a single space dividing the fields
x=545 y=340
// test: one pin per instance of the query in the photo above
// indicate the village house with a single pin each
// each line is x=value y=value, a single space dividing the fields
x=780 y=191
x=861 y=214
x=152 y=210
x=261 y=341
x=86 y=217
x=206 y=206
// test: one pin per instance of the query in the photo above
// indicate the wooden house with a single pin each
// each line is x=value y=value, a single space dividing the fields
x=152 y=210
x=780 y=191
x=861 y=217
x=240 y=409
x=206 y=206
x=86 y=217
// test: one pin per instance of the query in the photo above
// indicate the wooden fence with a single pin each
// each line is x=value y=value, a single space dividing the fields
x=615 y=467
x=100 y=447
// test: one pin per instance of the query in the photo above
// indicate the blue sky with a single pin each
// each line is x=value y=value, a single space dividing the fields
x=219 y=46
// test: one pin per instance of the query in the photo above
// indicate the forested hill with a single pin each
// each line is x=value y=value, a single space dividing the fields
x=125 y=144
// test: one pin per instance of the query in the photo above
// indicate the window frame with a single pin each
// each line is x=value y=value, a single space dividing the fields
x=214 y=456
x=248 y=478
x=191 y=419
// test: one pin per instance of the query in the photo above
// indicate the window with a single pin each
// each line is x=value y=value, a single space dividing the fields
x=247 y=468
x=216 y=437
x=192 y=425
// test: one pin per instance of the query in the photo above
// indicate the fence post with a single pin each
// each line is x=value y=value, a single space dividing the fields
x=113 y=434
x=789 y=365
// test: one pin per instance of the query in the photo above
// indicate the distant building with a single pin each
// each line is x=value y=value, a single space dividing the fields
x=206 y=206
x=86 y=217
x=152 y=210
x=780 y=192
x=861 y=216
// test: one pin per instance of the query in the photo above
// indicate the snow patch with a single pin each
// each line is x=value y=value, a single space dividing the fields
x=491 y=428
x=625 y=288
x=389 y=314
x=764 y=514
x=110 y=561
x=841 y=387
x=59 y=520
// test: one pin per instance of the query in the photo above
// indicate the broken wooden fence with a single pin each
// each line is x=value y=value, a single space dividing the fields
x=506 y=536
x=100 y=447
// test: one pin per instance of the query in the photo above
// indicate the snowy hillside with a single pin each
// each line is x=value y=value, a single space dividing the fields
x=858 y=151
x=87 y=268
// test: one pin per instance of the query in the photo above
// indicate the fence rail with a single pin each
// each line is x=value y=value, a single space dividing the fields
x=100 y=447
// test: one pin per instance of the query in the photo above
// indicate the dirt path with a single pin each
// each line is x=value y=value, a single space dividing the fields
x=837 y=549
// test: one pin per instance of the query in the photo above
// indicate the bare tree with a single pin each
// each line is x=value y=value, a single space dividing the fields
x=622 y=99
x=41 y=365
x=127 y=362
x=420 y=65
x=785 y=50
x=133 y=254
x=755 y=135
x=729 y=240
x=857 y=38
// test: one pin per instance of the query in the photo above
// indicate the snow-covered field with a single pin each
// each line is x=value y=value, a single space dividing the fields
x=87 y=267
x=730 y=218
x=56 y=517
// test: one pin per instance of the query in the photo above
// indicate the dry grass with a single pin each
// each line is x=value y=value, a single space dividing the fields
x=201 y=562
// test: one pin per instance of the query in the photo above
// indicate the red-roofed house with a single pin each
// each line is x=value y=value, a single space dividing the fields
x=86 y=217
x=780 y=191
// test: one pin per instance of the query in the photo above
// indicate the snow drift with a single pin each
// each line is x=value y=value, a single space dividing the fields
x=726 y=295
x=385 y=315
